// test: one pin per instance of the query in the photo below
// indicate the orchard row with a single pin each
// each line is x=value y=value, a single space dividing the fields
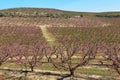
x=69 y=52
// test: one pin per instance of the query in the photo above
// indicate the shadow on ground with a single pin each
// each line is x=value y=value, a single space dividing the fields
x=68 y=77
x=57 y=75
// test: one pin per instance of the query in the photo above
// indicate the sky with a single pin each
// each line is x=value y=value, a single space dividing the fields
x=70 y=5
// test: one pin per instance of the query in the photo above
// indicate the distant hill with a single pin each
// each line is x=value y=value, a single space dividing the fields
x=108 y=14
x=54 y=13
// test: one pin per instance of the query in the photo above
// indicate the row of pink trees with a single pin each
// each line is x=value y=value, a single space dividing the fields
x=67 y=54
x=27 y=55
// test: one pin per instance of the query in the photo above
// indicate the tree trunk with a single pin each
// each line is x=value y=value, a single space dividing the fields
x=32 y=68
x=0 y=63
x=71 y=72
x=26 y=72
x=118 y=71
x=48 y=59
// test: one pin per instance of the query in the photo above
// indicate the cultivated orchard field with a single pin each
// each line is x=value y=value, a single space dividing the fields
x=58 y=48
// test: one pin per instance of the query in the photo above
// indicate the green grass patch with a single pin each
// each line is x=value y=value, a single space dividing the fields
x=94 y=71
x=47 y=67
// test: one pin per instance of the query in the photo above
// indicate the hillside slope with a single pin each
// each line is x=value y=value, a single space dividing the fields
x=48 y=12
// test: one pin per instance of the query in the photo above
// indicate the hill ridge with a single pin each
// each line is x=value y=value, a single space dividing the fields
x=51 y=12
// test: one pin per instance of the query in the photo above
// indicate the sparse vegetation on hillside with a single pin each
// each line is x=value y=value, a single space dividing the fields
x=53 y=13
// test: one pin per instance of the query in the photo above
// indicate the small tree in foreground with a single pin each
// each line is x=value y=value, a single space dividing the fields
x=31 y=55
x=72 y=55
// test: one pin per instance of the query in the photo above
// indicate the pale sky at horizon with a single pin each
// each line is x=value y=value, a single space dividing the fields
x=71 y=5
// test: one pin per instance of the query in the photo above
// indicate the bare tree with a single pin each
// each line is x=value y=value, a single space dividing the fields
x=31 y=55
x=72 y=54
x=111 y=53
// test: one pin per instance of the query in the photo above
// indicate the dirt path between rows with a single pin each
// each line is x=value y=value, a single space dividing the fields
x=48 y=36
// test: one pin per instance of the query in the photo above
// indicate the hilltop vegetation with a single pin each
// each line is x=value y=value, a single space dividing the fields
x=54 y=13
x=36 y=12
